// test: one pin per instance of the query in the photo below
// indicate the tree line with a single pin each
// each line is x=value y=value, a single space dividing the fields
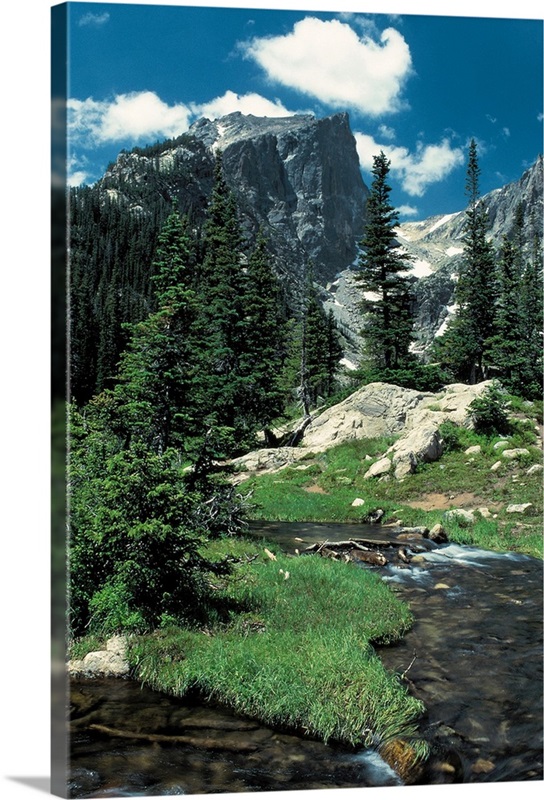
x=496 y=331
x=217 y=360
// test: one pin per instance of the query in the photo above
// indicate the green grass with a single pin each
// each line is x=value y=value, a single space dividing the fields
x=338 y=475
x=300 y=656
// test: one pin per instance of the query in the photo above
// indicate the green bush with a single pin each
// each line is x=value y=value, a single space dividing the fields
x=488 y=412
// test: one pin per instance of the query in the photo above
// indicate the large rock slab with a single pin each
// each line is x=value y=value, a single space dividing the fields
x=378 y=409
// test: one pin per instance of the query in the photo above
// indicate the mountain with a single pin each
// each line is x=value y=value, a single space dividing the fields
x=436 y=246
x=297 y=178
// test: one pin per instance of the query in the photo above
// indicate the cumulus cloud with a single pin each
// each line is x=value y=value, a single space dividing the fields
x=416 y=171
x=327 y=60
x=251 y=103
x=408 y=211
x=138 y=116
x=94 y=20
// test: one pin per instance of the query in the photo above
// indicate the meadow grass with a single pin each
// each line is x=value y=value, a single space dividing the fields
x=300 y=655
x=325 y=491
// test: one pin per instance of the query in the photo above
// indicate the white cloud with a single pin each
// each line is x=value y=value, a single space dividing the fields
x=506 y=133
x=327 y=60
x=416 y=171
x=408 y=211
x=128 y=117
x=387 y=133
x=95 y=20
x=251 y=103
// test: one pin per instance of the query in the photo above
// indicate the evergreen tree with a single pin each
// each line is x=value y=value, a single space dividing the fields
x=318 y=348
x=158 y=373
x=264 y=348
x=464 y=346
x=386 y=306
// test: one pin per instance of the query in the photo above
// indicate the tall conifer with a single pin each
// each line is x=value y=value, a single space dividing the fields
x=386 y=304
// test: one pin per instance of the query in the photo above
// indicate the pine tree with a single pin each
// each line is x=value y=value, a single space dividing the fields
x=465 y=344
x=318 y=349
x=223 y=326
x=158 y=373
x=386 y=305
x=264 y=348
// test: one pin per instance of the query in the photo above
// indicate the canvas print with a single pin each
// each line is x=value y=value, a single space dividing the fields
x=297 y=384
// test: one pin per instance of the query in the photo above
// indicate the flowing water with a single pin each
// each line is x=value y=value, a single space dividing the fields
x=473 y=656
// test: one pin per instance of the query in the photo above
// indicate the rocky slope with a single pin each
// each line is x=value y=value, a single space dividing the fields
x=297 y=178
x=436 y=246
x=378 y=409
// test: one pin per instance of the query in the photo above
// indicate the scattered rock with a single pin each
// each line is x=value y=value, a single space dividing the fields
x=518 y=508
x=368 y=557
x=474 y=450
x=441 y=586
x=535 y=468
x=438 y=534
x=496 y=466
x=381 y=467
x=498 y=445
x=110 y=662
x=484 y=512
x=358 y=502
x=516 y=452
x=460 y=514
x=483 y=765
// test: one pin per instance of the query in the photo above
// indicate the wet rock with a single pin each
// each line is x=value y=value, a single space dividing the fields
x=368 y=557
x=483 y=765
x=402 y=758
x=83 y=782
x=438 y=534
x=410 y=537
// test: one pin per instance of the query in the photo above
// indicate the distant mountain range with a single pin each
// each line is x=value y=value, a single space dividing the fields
x=298 y=180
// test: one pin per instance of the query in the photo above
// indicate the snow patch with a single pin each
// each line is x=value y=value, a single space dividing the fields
x=421 y=268
x=453 y=251
x=441 y=221
x=399 y=232
x=348 y=364
x=372 y=296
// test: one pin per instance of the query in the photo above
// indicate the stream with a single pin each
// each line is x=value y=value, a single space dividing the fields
x=473 y=656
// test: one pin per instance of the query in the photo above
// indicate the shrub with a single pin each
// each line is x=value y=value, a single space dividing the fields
x=488 y=412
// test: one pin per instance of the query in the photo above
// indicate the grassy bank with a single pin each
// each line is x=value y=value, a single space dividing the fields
x=323 y=486
x=297 y=651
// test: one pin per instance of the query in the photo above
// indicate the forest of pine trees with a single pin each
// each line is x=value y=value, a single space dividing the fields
x=497 y=328
x=181 y=353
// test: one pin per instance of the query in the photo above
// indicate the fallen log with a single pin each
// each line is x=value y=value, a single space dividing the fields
x=207 y=743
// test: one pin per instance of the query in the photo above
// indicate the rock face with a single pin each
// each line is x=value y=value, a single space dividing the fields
x=375 y=410
x=298 y=178
x=436 y=246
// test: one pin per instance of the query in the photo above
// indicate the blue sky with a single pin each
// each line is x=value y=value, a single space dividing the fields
x=417 y=86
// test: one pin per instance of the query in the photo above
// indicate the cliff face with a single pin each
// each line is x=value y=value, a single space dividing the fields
x=297 y=178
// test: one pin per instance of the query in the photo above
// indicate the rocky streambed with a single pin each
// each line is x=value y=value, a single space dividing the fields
x=474 y=656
